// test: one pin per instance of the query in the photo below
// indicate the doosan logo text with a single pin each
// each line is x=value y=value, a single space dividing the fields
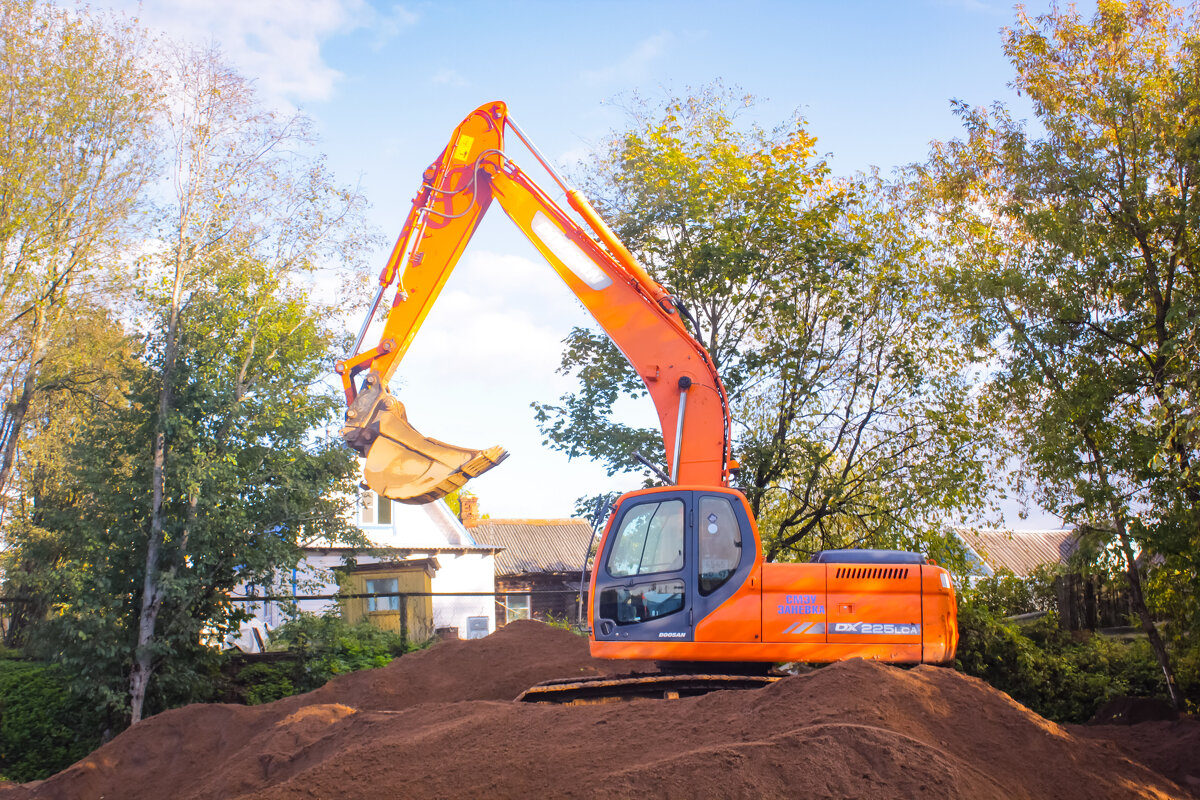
x=672 y=635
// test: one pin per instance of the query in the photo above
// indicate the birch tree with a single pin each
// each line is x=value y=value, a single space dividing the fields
x=77 y=144
x=245 y=190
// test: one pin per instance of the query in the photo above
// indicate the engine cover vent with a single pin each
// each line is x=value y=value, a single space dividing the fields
x=873 y=573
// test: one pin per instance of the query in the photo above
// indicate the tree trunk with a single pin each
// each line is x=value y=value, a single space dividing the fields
x=1134 y=578
x=20 y=407
x=139 y=677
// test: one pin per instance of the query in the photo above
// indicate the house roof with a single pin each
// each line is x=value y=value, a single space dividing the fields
x=535 y=545
x=1021 y=552
x=400 y=551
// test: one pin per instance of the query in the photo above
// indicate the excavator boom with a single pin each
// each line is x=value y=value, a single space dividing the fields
x=638 y=314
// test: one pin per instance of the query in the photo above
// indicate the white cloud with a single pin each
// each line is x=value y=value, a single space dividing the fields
x=634 y=66
x=485 y=340
x=390 y=25
x=503 y=317
x=275 y=42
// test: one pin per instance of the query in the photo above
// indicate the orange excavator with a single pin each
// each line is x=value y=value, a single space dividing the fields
x=679 y=575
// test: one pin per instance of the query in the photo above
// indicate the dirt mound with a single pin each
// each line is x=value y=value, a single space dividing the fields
x=441 y=724
x=1172 y=748
x=497 y=667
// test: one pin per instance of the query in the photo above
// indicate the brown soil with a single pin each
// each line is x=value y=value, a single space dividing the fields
x=1172 y=748
x=441 y=724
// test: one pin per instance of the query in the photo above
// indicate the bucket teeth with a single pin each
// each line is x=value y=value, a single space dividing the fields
x=401 y=463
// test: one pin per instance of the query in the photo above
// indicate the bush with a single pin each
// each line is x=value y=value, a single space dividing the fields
x=1006 y=595
x=329 y=646
x=1173 y=595
x=266 y=683
x=1060 y=676
x=322 y=647
x=42 y=725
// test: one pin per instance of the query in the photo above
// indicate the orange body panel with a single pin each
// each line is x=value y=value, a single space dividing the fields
x=762 y=652
x=873 y=604
x=940 y=614
x=815 y=612
x=794 y=607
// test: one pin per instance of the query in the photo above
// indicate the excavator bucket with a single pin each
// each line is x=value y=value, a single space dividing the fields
x=401 y=463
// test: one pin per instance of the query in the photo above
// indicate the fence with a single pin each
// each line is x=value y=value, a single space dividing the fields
x=1088 y=602
x=406 y=615
x=412 y=615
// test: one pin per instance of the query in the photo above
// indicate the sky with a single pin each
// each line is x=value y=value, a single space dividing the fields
x=386 y=83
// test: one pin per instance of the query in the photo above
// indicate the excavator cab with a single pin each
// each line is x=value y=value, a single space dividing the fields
x=680 y=576
x=672 y=557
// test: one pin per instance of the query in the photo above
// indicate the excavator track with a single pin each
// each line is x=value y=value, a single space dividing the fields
x=621 y=688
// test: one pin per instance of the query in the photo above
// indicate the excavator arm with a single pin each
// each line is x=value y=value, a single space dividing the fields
x=638 y=314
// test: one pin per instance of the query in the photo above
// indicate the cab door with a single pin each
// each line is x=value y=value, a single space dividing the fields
x=726 y=603
x=642 y=574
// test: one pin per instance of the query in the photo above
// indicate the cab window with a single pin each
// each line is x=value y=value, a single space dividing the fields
x=720 y=543
x=650 y=540
x=629 y=605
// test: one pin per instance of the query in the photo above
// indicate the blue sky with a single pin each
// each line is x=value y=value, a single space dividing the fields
x=386 y=83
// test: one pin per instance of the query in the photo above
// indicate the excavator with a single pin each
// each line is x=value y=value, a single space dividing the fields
x=679 y=576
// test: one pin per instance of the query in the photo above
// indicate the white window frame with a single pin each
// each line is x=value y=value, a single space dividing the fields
x=519 y=607
x=388 y=603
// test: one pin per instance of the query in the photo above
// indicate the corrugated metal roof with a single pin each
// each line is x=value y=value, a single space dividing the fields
x=535 y=545
x=1020 y=552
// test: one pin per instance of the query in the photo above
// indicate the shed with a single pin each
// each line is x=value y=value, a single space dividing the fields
x=410 y=615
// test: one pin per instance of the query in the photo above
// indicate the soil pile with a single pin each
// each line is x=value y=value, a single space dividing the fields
x=1172 y=748
x=441 y=724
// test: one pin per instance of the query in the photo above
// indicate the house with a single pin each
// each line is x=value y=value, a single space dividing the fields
x=1082 y=600
x=1019 y=552
x=421 y=550
x=540 y=563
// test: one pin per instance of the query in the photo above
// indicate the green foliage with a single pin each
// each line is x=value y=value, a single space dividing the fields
x=314 y=649
x=563 y=622
x=1075 y=253
x=251 y=483
x=268 y=682
x=43 y=727
x=1006 y=595
x=1173 y=594
x=328 y=646
x=1061 y=676
x=175 y=456
x=77 y=147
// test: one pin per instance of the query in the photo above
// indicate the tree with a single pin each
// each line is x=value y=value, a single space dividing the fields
x=850 y=418
x=1076 y=251
x=246 y=201
x=861 y=429
x=248 y=484
x=76 y=148
x=84 y=376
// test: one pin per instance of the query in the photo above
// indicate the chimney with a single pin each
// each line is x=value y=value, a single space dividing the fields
x=468 y=510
